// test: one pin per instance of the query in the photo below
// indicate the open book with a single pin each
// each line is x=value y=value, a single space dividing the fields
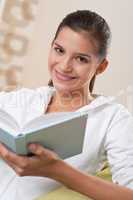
x=61 y=132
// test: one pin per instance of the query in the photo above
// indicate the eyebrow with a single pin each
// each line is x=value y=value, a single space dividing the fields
x=84 y=55
x=81 y=54
x=58 y=45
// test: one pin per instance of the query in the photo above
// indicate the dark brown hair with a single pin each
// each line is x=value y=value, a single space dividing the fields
x=95 y=26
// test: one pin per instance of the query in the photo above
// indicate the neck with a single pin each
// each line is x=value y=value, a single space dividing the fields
x=72 y=99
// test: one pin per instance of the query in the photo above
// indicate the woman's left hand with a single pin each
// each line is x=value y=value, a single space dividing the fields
x=41 y=164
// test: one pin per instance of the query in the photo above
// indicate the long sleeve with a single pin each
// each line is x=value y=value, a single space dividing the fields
x=119 y=148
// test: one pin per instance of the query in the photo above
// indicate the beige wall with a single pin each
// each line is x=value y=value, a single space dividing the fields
x=118 y=78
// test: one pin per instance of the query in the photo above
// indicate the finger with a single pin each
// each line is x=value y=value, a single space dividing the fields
x=11 y=165
x=11 y=157
x=40 y=151
x=36 y=149
x=18 y=170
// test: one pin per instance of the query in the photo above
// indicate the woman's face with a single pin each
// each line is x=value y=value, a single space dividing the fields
x=72 y=60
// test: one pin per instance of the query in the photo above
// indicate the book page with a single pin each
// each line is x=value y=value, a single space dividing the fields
x=9 y=129
x=8 y=123
x=47 y=120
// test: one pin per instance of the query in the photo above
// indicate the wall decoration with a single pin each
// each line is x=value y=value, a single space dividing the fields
x=16 y=22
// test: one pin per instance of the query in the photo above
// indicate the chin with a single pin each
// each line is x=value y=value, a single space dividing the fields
x=65 y=88
x=61 y=87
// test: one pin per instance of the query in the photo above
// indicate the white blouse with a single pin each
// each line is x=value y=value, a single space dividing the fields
x=109 y=135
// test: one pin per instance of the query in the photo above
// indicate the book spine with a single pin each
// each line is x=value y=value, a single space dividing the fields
x=7 y=139
x=20 y=145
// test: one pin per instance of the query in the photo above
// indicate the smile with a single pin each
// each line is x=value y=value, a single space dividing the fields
x=63 y=77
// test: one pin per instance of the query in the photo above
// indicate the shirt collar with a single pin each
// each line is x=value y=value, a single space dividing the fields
x=99 y=101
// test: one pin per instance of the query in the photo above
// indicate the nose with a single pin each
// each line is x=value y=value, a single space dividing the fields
x=66 y=65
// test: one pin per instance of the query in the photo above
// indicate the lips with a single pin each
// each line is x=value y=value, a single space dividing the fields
x=64 y=77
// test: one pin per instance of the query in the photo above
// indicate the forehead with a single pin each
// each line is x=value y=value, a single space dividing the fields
x=76 y=41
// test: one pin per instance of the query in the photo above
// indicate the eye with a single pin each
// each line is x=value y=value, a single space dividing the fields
x=59 y=50
x=82 y=59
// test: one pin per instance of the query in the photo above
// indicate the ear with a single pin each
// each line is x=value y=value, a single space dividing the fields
x=102 y=66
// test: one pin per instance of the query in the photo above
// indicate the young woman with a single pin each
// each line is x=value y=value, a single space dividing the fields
x=78 y=54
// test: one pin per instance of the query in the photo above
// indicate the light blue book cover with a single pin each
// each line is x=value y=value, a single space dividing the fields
x=61 y=132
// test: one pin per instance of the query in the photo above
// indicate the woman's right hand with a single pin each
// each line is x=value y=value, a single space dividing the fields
x=42 y=163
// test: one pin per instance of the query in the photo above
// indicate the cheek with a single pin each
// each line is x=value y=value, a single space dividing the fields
x=51 y=62
x=85 y=74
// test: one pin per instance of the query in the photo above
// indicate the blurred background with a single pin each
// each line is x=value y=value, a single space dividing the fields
x=27 y=28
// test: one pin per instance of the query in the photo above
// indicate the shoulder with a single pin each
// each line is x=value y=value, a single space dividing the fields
x=120 y=113
x=110 y=103
x=14 y=95
x=108 y=109
x=45 y=91
x=25 y=96
x=107 y=105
